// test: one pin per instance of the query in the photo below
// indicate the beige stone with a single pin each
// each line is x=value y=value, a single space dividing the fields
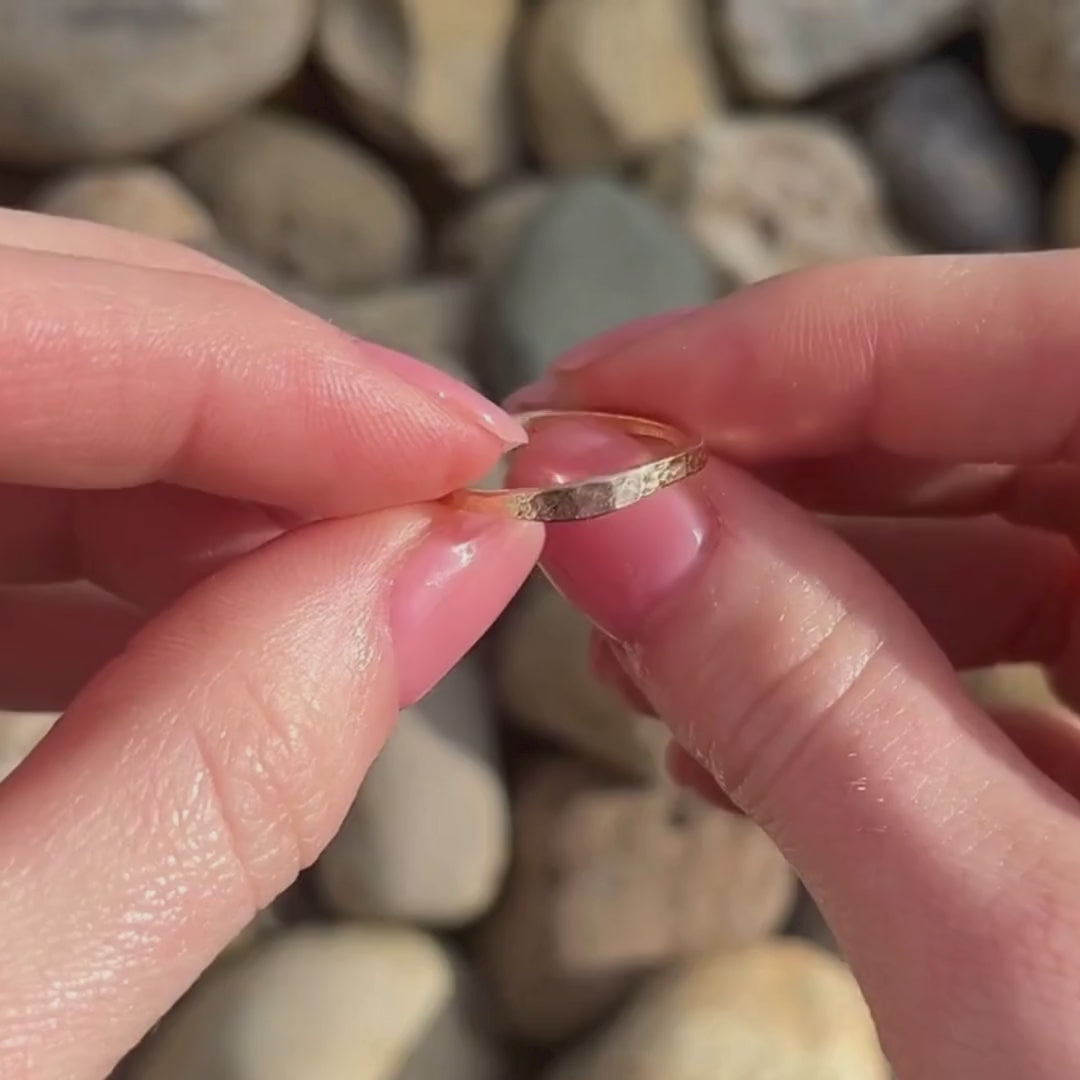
x=325 y=1003
x=609 y=880
x=428 y=837
x=481 y=237
x=99 y=79
x=20 y=732
x=545 y=684
x=781 y=1009
x=140 y=198
x=1065 y=205
x=766 y=195
x=307 y=201
x=428 y=78
x=429 y=318
x=609 y=80
x=1033 y=59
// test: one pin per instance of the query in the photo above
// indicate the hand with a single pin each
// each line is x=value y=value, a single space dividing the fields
x=167 y=428
x=931 y=408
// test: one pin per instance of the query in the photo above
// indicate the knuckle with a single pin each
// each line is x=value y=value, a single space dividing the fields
x=260 y=762
x=779 y=732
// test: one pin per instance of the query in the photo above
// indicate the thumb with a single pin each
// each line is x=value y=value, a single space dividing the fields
x=789 y=670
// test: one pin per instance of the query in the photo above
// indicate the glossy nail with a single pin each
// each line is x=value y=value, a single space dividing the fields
x=450 y=392
x=618 y=568
x=451 y=588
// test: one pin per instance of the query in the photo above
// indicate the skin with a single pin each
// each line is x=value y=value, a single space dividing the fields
x=237 y=501
x=893 y=494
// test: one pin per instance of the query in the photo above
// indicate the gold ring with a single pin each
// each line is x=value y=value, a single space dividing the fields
x=598 y=495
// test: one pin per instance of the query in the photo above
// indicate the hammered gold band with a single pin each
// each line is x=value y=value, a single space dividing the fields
x=599 y=495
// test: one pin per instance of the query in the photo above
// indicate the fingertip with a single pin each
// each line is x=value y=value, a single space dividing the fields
x=454 y=392
x=451 y=588
x=618 y=567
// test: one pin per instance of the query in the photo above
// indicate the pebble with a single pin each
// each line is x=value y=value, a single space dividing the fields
x=959 y=178
x=140 y=198
x=1065 y=204
x=481 y=237
x=786 y=50
x=808 y=922
x=16 y=187
x=766 y=195
x=611 y=879
x=597 y=255
x=428 y=837
x=1033 y=59
x=305 y=200
x=545 y=685
x=102 y=79
x=325 y=1003
x=429 y=318
x=1023 y=687
x=607 y=81
x=782 y=1010
x=427 y=78
x=20 y=732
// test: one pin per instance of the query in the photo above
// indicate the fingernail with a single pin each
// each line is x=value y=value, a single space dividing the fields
x=453 y=393
x=451 y=588
x=617 y=569
x=547 y=390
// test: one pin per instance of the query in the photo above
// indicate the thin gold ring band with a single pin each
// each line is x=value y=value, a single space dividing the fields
x=598 y=495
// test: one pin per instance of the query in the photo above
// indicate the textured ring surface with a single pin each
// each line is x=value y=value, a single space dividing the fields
x=597 y=495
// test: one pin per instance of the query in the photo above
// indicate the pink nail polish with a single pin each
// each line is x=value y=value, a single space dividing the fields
x=451 y=392
x=451 y=588
x=616 y=569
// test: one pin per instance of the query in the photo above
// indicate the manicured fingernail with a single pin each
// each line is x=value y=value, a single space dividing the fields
x=550 y=388
x=451 y=588
x=451 y=392
x=616 y=569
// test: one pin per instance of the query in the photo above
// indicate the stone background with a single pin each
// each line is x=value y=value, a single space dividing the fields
x=518 y=894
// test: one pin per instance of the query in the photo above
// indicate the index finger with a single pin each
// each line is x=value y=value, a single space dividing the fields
x=941 y=358
x=114 y=375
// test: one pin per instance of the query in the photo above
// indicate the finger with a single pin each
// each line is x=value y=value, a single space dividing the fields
x=1049 y=740
x=210 y=384
x=1023 y=703
x=194 y=777
x=89 y=240
x=146 y=544
x=873 y=483
x=53 y=639
x=988 y=592
x=956 y=359
x=692 y=775
x=605 y=666
x=802 y=683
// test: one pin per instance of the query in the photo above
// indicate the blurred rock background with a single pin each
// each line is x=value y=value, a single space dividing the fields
x=518 y=893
